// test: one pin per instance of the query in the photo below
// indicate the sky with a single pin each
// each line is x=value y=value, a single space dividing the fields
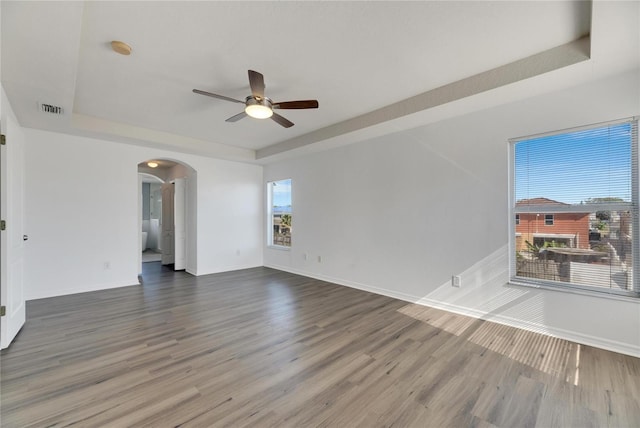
x=575 y=166
x=282 y=193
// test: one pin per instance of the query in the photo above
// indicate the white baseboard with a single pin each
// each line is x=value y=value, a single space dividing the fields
x=573 y=336
x=228 y=268
x=83 y=289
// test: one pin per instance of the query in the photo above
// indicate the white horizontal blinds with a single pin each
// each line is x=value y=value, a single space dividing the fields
x=576 y=198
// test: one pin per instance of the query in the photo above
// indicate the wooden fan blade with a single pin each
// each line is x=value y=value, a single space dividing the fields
x=220 y=97
x=237 y=117
x=296 y=104
x=281 y=120
x=256 y=81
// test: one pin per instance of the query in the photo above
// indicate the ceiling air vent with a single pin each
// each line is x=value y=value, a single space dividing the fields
x=49 y=108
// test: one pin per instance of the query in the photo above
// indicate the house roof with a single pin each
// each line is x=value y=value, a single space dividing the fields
x=539 y=201
x=549 y=206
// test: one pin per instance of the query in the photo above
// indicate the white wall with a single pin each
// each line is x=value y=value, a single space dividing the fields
x=82 y=212
x=400 y=214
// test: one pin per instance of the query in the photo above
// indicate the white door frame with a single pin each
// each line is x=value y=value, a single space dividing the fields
x=179 y=224
x=167 y=231
x=11 y=240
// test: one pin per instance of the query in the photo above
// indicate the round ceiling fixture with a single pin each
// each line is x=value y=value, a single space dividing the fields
x=152 y=164
x=121 y=47
x=258 y=108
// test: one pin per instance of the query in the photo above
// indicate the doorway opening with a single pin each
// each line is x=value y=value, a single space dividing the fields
x=150 y=233
x=167 y=214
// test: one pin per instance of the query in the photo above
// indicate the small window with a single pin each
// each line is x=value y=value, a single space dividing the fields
x=548 y=219
x=584 y=183
x=279 y=213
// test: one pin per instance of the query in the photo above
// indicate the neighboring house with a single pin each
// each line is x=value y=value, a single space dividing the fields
x=538 y=227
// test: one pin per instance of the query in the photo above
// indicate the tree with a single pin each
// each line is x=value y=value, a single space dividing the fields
x=603 y=215
x=540 y=250
x=286 y=220
x=603 y=200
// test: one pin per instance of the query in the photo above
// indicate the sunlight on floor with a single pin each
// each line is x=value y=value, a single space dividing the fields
x=577 y=374
x=545 y=353
x=449 y=322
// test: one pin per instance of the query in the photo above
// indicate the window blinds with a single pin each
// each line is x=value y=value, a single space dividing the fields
x=576 y=198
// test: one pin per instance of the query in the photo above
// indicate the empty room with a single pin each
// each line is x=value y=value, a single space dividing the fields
x=320 y=214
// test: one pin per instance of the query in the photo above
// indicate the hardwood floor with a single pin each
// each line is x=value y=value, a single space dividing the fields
x=262 y=348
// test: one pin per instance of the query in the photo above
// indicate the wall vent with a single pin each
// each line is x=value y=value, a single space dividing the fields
x=49 y=108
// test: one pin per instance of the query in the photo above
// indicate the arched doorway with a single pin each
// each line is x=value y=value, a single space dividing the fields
x=151 y=217
x=167 y=212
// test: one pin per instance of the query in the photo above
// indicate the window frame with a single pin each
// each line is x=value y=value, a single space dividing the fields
x=633 y=207
x=549 y=220
x=270 y=228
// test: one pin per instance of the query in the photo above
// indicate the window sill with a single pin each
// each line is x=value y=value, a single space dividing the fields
x=278 y=247
x=577 y=290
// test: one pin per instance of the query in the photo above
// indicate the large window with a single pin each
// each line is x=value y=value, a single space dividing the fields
x=279 y=213
x=575 y=197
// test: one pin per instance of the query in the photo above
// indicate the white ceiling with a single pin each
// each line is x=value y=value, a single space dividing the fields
x=368 y=64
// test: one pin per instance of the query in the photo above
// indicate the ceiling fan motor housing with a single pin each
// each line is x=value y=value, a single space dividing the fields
x=251 y=100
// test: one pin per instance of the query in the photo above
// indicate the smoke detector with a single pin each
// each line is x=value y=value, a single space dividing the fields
x=121 y=47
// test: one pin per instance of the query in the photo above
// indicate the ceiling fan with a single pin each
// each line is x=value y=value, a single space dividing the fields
x=260 y=107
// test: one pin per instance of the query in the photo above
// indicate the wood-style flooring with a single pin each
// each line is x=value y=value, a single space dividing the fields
x=264 y=348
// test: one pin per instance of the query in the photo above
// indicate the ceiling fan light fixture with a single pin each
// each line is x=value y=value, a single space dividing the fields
x=258 y=109
x=258 y=106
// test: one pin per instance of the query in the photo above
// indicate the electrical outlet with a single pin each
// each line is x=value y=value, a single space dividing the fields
x=456 y=281
x=107 y=265
x=305 y=256
x=319 y=259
